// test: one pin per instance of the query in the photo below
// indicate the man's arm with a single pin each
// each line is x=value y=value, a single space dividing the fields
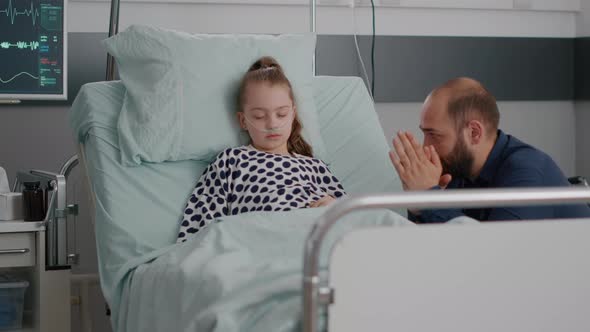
x=435 y=216
x=523 y=176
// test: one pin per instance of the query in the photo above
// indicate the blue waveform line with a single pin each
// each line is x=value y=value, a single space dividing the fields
x=12 y=12
x=17 y=75
x=20 y=45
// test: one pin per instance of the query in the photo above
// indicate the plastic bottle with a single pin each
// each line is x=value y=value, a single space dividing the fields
x=33 y=205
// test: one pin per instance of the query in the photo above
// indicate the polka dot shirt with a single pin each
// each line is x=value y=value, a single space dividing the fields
x=245 y=179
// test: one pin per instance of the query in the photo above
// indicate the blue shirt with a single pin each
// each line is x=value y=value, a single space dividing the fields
x=511 y=163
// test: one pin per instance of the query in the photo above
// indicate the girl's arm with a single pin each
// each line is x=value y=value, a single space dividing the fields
x=207 y=201
x=328 y=182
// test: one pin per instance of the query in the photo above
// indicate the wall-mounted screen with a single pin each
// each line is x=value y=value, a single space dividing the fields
x=33 y=49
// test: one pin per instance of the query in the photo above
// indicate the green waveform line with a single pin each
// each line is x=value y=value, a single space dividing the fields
x=17 y=75
x=20 y=45
x=12 y=12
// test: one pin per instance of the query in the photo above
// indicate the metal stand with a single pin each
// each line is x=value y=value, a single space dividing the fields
x=55 y=219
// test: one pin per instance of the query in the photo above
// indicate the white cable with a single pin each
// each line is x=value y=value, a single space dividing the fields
x=358 y=51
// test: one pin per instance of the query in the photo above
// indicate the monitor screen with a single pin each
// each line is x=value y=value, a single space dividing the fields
x=33 y=49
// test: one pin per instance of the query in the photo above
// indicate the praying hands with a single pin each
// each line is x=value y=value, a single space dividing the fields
x=418 y=167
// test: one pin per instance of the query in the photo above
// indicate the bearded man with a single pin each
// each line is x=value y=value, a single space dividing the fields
x=463 y=148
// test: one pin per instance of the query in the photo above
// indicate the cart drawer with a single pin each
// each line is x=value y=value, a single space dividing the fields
x=17 y=249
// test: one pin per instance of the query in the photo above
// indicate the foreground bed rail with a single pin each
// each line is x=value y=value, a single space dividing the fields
x=314 y=295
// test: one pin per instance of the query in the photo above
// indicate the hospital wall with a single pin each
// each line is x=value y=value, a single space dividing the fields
x=417 y=49
x=582 y=93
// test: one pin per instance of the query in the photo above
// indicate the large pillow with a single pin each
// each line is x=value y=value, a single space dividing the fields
x=181 y=98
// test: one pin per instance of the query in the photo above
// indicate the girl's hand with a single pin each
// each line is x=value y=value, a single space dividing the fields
x=324 y=201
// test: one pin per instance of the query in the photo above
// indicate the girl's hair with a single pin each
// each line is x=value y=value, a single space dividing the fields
x=267 y=69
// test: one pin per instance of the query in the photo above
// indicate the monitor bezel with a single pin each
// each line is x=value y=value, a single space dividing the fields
x=52 y=96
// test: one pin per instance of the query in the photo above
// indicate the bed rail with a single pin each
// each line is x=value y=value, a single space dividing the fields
x=316 y=295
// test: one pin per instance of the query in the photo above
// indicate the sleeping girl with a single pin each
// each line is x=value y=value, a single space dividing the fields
x=275 y=172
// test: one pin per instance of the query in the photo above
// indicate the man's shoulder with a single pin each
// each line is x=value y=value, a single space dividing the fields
x=520 y=156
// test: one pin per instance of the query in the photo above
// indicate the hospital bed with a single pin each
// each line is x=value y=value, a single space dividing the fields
x=353 y=266
x=430 y=269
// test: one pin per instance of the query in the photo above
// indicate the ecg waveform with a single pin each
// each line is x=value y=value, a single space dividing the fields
x=20 y=45
x=17 y=75
x=12 y=12
x=32 y=53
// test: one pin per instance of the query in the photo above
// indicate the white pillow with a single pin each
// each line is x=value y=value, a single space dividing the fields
x=181 y=97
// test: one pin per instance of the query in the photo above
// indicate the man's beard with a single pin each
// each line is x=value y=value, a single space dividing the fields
x=459 y=162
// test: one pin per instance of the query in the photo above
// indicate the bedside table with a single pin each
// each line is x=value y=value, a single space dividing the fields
x=47 y=299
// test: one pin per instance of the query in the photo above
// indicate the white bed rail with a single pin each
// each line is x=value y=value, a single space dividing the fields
x=315 y=296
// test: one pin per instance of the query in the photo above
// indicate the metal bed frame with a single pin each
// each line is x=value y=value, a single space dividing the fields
x=57 y=255
x=315 y=292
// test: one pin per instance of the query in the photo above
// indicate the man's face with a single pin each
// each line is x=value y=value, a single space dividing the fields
x=459 y=163
x=440 y=131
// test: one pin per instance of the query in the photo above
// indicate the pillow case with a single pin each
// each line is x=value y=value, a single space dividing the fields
x=181 y=90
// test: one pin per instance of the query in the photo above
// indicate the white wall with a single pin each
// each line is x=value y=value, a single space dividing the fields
x=553 y=134
x=583 y=20
x=34 y=137
x=196 y=16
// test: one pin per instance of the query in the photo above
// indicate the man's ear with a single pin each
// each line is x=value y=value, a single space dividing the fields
x=242 y=120
x=475 y=132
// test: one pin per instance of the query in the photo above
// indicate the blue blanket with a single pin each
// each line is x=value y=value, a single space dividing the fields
x=241 y=274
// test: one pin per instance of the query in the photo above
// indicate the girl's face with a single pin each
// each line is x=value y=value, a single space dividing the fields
x=267 y=115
